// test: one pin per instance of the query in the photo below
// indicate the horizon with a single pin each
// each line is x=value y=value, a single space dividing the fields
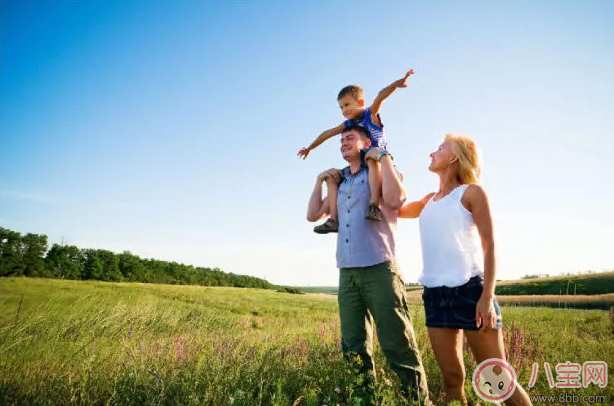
x=526 y=277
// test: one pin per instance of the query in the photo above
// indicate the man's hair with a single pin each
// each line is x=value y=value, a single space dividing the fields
x=352 y=90
x=360 y=129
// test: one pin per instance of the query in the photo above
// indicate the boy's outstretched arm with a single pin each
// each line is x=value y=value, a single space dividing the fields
x=385 y=92
x=321 y=138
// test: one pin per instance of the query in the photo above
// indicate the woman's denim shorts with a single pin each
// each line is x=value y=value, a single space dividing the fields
x=455 y=307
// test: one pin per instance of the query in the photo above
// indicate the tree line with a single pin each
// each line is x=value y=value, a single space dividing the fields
x=29 y=255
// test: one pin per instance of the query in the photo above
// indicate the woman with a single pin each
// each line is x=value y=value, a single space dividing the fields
x=458 y=278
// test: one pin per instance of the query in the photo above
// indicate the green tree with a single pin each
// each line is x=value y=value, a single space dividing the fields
x=34 y=248
x=92 y=267
x=131 y=267
x=110 y=266
x=25 y=255
x=11 y=253
x=65 y=262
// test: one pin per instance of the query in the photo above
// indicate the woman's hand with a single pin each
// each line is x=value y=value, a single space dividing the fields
x=485 y=314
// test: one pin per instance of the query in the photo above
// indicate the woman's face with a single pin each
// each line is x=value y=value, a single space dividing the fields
x=442 y=157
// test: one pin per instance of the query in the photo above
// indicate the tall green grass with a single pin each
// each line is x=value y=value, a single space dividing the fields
x=96 y=343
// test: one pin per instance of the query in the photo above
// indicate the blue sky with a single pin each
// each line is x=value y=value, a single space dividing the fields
x=170 y=128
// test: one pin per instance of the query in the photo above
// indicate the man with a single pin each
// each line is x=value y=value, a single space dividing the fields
x=370 y=285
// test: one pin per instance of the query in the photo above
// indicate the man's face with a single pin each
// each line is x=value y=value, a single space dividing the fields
x=351 y=144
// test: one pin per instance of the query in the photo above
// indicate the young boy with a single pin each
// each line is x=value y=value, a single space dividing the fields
x=352 y=103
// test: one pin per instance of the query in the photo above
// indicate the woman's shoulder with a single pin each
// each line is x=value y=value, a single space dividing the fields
x=474 y=190
x=473 y=194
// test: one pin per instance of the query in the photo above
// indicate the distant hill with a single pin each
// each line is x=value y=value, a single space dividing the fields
x=587 y=284
x=331 y=290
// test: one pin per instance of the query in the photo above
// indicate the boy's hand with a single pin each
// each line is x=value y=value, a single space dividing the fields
x=331 y=174
x=385 y=93
x=303 y=153
x=401 y=82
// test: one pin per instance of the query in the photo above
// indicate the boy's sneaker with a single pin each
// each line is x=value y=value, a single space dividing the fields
x=374 y=213
x=329 y=226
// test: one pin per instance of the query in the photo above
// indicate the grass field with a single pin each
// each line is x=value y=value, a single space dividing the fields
x=604 y=302
x=96 y=343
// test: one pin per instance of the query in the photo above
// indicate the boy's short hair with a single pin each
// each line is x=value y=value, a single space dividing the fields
x=352 y=90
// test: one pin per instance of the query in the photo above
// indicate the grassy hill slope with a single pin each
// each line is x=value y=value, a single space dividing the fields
x=588 y=284
x=96 y=343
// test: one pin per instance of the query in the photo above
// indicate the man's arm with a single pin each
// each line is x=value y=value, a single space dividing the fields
x=393 y=192
x=318 y=207
x=385 y=92
x=321 y=138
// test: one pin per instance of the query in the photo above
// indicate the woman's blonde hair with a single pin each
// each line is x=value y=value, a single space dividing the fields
x=465 y=149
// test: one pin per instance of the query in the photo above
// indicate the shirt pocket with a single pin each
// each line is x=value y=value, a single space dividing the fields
x=361 y=189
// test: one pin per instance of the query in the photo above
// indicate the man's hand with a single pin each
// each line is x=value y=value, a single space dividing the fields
x=303 y=152
x=401 y=82
x=332 y=174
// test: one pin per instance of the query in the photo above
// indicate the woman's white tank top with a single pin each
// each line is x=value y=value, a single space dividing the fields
x=451 y=248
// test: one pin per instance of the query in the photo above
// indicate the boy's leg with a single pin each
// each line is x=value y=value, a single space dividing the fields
x=375 y=180
x=331 y=225
x=375 y=185
x=332 y=191
x=356 y=330
x=384 y=293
